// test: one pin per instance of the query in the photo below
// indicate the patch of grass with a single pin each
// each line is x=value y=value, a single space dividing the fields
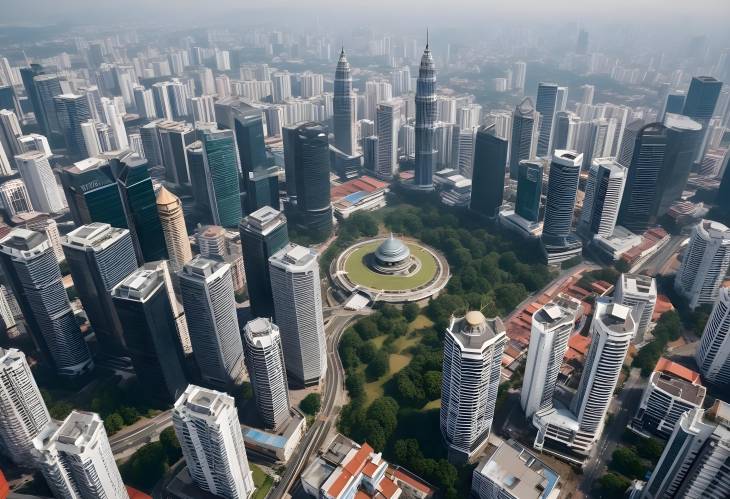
x=262 y=481
x=420 y=322
x=378 y=341
x=376 y=389
x=359 y=272
x=434 y=404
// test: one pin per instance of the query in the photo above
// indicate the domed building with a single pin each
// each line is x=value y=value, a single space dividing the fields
x=392 y=256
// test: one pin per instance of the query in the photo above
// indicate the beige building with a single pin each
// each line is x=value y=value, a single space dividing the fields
x=173 y=227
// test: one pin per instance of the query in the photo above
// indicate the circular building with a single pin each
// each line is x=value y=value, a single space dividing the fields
x=390 y=269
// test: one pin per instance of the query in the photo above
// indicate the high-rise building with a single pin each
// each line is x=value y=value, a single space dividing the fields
x=581 y=45
x=312 y=175
x=249 y=129
x=23 y=413
x=547 y=94
x=579 y=427
x=694 y=461
x=723 y=194
x=263 y=233
x=713 y=355
x=262 y=189
x=77 y=460
x=700 y=106
x=671 y=391
x=565 y=132
x=99 y=257
x=490 y=161
x=625 y=151
x=32 y=271
x=558 y=240
x=210 y=305
x=344 y=107
x=529 y=190
x=206 y=424
x=142 y=303
x=638 y=292
x=705 y=263
x=426 y=115
x=73 y=110
x=15 y=197
x=40 y=181
x=144 y=101
x=520 y=72
x=473 y=350
x=45 y=88
x=117 y=191
x=41 y=222
x=294 y=272
x=265 y=363
x=523 y=143
x=218 y=175
x=588 y=92
x=387 y=124
x=9 y=132
x=552 y=326
x=603 y=192
x=172 y=221
x=172 y=138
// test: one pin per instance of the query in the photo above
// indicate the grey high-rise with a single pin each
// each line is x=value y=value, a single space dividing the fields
x=99 y=257
x=142 y=303
x=700 y=105
x=344 y=107
x=529 y=190
x=426 y=115
x=210 y=306
x=298 y=302
x=312 y=173
x=73 y=110
x=523 y=144
x=558 y=240
x=490 y=160
x=32 y=271
x=547 y=94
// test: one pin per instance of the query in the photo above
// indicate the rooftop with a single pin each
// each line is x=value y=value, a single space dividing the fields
x=474 y=331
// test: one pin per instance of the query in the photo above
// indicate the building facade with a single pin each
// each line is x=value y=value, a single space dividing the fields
x=704 y=264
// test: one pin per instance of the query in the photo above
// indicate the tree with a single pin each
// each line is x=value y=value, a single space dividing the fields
x=59 y=410
x=130 y=415
x=311 y=404
x=366 y=352
x=146 y=466
x=367 y=328
x=613 y=485
x=355 y=384
x=113 y=423
x=432 y=385
x=171 y=445
x=377 y=367
x=622 y=266
x=246 y=391
x=626 y=462
x=650 y=448
x=384 y=410
x=411 y=311
x=374 y=435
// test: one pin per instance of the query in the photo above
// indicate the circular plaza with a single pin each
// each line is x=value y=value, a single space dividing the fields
x=391 y=269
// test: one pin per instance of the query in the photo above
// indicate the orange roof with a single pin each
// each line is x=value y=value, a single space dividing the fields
x=136 y=494
x=404 y=477
x=387 y=487
x=579 y=343
x=4 y=487
x=364 y=183
x=370 y=469
x=667 y=366
x=361 y=495
x=350 y=469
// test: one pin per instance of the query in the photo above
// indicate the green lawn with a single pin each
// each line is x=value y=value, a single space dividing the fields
x=420 y=322
x=262 y=481
x=359 y=273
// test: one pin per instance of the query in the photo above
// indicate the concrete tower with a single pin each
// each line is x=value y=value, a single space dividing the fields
x=426 y=115
x=705 y=263
x=713 y=355
x=344 y=107
x=173 y=227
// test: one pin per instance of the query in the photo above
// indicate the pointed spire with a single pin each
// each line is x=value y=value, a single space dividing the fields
x=427 y=38
x=342 y=51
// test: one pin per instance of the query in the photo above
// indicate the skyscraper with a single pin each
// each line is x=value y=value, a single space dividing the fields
x=265 y=363
x=210 y=305
x=387 y=124
x=723 y=195
x=32 y=271
x=605 y=187
x=99 y=257
x=625 y=151
x=473 y=350
x=312 y=174
x=206 y=424
x=344 y=107
x=249 y=129
x=694 y=461
x=638 y=292
x=38 y=177
x=565 y=130
x=525 y=126
x=552 y=326
x=547 y=94
x=172 y=221
x=520 y=73
x=529 y=190
x=15 y=197
x=142 y=303
x=46 y=87
x=77 y=460
x=426 y=115
x=9 y=132
x=73 y=110
x=172 y=138
x=23 y=413
x=558 y=240
x=704 y=264
x=263 y=233
x=220 y=175
x=490 y=161
x=713 y=354
x=294 y=272
x=580 y=427
x=700 y=106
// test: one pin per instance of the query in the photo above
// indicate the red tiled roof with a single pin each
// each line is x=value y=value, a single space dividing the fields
x=135 y=494
x=370 y=469
x=667 y=366
x=364 y=183
x=404 y=477
x=579 y=343
x=351 y=469
x=387 y=487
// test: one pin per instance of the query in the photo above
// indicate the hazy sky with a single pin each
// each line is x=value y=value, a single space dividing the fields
x=713 y=12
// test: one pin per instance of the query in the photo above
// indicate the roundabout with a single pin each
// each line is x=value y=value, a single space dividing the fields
x=391 y=269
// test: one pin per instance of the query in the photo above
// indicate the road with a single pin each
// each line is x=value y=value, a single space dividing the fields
x=624 y=407
x=334 y=385
x=152 y=428
x=656 y=264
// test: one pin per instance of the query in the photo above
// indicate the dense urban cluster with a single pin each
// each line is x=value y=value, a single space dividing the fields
x=261 y=263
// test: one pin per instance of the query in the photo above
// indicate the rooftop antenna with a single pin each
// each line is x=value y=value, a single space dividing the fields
x=426 y=38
